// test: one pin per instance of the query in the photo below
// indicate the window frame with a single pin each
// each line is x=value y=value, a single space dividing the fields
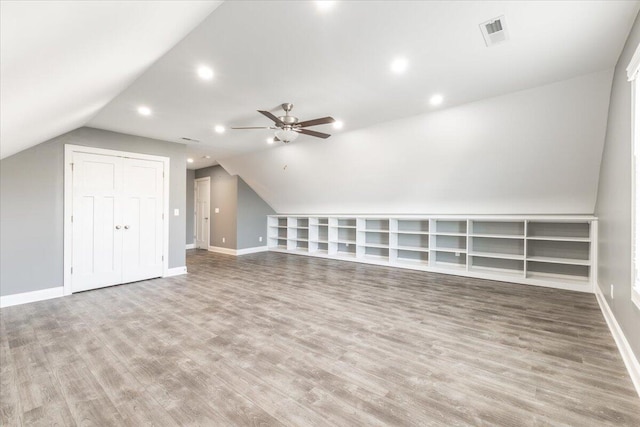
x=633 y=70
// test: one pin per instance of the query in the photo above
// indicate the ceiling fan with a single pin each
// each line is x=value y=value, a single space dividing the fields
x=288 y=127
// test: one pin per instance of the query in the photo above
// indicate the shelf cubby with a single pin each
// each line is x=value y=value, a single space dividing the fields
x=451 y=227
x=347 y=234
x=497 y=228
x=497 y=247
x=376 y=253
x=416 y=226
x=277 y=232
x=376 y=225
x=413 y=257
x=376 y=237
x=414 y=240
x=449 y=259
x=346 y=249
x=347 y=222
x=558 y=251
x=323 y=234
x=562 y=231
x=497 y=265
x=554 y=271
x=451 y=243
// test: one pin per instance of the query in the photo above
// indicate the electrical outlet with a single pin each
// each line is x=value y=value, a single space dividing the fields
x=457 y=253
x=346 y=245
x=260 y=239
x=611 y=291
x=223 y=240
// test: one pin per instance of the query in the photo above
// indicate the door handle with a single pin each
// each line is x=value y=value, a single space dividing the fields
x=118 y=227
x=126 y=227
x=206 y=219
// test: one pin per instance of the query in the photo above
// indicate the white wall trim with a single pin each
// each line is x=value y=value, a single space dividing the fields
x=34 y=296
x=634 y=65
x=253 y=250
x=69 y=149
x=219 y=250
x=630 y=360
x=175 y=271
x=238 y=252
x=191 y=246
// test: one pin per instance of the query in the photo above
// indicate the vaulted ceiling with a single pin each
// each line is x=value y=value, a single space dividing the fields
x=61 y=62
x=69 y=64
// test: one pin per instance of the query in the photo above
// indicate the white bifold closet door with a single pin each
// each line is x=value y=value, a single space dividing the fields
x=117 y=220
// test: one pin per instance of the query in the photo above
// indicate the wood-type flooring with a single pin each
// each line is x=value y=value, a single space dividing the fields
x=276 y=339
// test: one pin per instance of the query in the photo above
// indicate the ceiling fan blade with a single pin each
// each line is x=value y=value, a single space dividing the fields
x=272 y=117
x=256 y=127
x=316 y=122
x=313 y=133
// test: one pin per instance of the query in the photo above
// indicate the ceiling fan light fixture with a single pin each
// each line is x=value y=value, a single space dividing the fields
x=286 y=135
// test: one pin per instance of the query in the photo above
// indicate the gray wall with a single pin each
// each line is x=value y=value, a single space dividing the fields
x=31 y=212
x=252 y=217
x=224 y=196
x=613 y=205
x=190 y=220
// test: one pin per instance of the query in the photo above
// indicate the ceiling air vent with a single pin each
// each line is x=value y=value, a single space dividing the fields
x=184 y=138
x=494 y=31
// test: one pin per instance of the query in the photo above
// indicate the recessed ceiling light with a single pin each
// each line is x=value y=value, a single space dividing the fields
x=189 y=160
x=436 y=99
x=338 y=124
x=399 y=65
x=219 y=129
x=144 y=111
x=206 y=157
x=325 y=5
x=270 y=140
x=205 y=73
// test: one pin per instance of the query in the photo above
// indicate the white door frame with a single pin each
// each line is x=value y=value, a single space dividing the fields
x=69 y=149
x=195 y=212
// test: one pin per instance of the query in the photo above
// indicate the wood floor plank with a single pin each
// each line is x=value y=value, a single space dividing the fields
x=273 y=339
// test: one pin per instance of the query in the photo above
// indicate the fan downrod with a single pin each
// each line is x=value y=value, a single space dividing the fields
x=287 y=119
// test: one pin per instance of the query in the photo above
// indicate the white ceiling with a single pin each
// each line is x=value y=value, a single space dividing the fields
x=62 y=61
x=337 y=63
x=536 y=151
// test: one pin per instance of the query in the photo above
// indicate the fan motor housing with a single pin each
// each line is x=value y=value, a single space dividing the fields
x=288 y=120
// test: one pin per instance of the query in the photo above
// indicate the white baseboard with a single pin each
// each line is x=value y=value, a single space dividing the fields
x=191 y=246
x=219 y=250
x=253 y=250
x=238 y=252
x=176 y=271
x=630 y=360
x=27 y=297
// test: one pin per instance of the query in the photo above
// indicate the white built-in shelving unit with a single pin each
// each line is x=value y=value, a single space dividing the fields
x=553 y=251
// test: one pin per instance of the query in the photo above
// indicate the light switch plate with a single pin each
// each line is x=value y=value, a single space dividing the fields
x=176 y=212
x=217 y=210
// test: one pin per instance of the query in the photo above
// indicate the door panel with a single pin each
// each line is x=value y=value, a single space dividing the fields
x=117 y=222
x=97 y=244
x=202 y=214
x=142 y=220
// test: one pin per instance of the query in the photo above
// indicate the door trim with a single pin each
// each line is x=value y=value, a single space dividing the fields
x=195 y=211
x=69 y=150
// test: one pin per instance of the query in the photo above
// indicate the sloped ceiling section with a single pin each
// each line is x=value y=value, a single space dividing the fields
x=337 y=62
x=61 y=62
x=529 y=152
